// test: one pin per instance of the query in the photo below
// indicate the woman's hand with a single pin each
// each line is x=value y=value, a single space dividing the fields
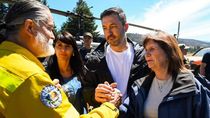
x=57 y=84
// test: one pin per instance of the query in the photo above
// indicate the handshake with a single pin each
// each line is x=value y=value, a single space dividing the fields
x=108 y=93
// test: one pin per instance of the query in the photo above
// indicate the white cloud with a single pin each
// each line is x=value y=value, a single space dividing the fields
x=165 y=15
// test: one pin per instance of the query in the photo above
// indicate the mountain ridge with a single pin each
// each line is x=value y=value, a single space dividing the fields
x=189 y=42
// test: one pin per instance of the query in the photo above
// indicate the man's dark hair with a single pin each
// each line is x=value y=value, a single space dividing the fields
x=115 y=11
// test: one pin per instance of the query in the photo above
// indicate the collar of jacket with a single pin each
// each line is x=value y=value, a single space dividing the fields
x=98 y=55
x=17 y=49
x=184 y=83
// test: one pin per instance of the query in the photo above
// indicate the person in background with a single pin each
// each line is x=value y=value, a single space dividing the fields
x=170 y=90
x=87 y=48
x=205 y=66
x=115 y=63
x=26 y=90
x=67 y=67
x=184 y=49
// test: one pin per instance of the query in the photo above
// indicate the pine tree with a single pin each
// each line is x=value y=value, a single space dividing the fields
x=82 y=22
x=44 y=2
x=4 y=7
x=3 y=10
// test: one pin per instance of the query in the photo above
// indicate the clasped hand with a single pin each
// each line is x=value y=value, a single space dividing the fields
x=108 y=93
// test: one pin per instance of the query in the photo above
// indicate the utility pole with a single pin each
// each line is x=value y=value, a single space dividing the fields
x=177 y=37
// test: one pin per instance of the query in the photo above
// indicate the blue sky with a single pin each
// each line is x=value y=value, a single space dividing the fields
x=194 y=15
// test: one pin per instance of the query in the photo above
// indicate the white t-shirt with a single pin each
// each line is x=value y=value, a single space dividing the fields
x=119 y=64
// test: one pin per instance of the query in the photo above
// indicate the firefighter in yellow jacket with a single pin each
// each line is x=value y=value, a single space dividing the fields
x=26 y=91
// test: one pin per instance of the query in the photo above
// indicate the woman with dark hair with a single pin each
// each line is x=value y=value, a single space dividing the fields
x=170 y=90
x=66 y=66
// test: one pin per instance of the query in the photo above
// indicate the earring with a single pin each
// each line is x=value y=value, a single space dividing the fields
x=73 y=54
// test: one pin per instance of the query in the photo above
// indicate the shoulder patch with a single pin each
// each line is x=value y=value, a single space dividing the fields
x=51 y=96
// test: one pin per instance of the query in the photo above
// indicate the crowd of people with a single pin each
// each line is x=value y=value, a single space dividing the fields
x=116 y=79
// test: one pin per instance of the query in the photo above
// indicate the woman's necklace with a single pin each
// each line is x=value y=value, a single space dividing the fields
x=163 y=84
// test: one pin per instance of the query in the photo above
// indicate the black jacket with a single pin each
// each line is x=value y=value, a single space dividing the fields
x=98 y=71
x=187 y=98
x=83 y=52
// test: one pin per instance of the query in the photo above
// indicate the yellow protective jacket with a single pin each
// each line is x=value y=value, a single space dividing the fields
x=26 y=91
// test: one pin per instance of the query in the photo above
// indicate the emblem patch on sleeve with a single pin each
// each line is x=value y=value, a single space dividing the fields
x=51 y=96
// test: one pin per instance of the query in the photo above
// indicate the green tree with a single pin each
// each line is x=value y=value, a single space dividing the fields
x=3 y=10
x=4 y=7
x=44 y=2
x=82 y=21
